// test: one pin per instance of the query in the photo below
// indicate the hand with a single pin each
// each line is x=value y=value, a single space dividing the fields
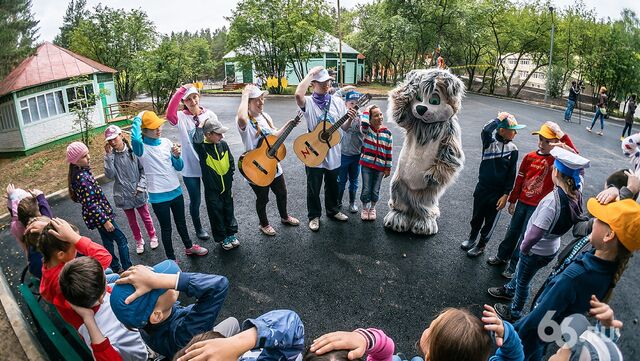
x=63 y=231
x=492 y=322
x=387 y=173
x=141 y=114
x=633 y=181
x=295 y=122
x=141 y=278
x=84 y=313
x=608 y=195
x=352 y=113
x=315 y=70
x=555 y=128
x=107 y=148
x=603 y=313
x=563 y=146
x=10 y=189
x=512 y=208
x=502 y=202
x=340 y=340
x=176 y=149
x=35 y=192
x=108 y=226
x=35 y=226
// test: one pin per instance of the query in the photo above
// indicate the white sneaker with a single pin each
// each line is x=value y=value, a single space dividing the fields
x=314 y=224
x=139 y=246
x=353 y=208
x=153 y=242
x=341 y=217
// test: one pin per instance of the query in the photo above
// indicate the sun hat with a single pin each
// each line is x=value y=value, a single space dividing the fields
x=214 y=126
x=623 y=217
x=191 y=90
x=112 y=132
x=75 y=151
x=150 y=120
x=255 y=92
x=322 y=76
x=508 y=121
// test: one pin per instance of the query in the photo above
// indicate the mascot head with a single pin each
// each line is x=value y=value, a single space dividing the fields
x=428 y=98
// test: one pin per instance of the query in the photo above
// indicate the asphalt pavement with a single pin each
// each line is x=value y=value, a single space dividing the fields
x=358 y=274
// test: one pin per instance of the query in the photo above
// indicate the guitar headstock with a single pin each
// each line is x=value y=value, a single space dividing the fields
x=299 y=116
x=363 y=100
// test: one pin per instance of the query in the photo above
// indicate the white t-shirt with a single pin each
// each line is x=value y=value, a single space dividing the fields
x=314 y=115
x=251 y=138
x=156 y=161
x=186 y=124
x=544 y=217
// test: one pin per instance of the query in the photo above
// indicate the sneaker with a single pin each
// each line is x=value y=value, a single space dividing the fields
x=153 y=242
x=314 y=224
x=340 y=217
x=234 y=241
x=202 y=235
x=468 y=244
x=504 y=311
x=268 y=230
x=291 y=220
x=495 y=261
x=364 y=214
x=600 y=133
x=196 y=250
x=372 y=214
x=500 y=292
x=353 y=208
x=227 y=244
x=621 y=139
x=475 y=251
x=588 y=129
x=507 y=274
x=139 y=246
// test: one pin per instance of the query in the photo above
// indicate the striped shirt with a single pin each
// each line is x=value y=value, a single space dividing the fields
x=377 y=146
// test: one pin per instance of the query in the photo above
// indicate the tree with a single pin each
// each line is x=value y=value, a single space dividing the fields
x=76 y=12
x=83 y=108
x=18 y=35
x=116 y=38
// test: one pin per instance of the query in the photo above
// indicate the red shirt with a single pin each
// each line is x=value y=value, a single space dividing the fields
x=533 y=181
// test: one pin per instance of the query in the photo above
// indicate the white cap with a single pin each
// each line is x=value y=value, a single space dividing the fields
x=191 y=90
x=112 y=132
x=256 y=92
x=322 y=76
x=569 y=159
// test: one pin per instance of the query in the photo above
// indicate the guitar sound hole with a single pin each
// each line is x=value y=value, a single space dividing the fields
x=325 y=136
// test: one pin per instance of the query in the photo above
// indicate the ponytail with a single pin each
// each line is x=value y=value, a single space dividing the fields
x=129 y=149
x=622 y=259
x=572 y=187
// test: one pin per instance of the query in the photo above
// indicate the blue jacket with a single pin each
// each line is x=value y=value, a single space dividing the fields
x=280 y=336
x=567 y=293
x=511 y=349
x=172 y=334
x=499 y=159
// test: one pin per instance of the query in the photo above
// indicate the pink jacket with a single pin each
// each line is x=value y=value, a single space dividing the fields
x=380 y=346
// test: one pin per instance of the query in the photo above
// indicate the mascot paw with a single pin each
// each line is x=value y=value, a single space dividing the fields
x=431 y=177
x=425 y=226
x=396 y=221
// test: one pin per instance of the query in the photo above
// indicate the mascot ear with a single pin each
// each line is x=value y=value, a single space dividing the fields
x=401 y=97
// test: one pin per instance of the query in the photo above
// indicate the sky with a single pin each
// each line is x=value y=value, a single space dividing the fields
x=199 y=14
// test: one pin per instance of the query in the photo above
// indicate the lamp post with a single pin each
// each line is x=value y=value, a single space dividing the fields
x=546 y=88
x=340 y=70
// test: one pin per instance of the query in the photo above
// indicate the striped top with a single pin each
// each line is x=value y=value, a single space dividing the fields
x=377 y=146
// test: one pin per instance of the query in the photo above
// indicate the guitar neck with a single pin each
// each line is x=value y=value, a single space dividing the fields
x=340 y=121
x=284 y=135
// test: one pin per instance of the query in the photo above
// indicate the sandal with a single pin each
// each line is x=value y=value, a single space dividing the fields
x=268 y=230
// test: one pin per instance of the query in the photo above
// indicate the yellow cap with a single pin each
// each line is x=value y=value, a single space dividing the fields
x=546 y=132
x=150 y=120
x=623 y=217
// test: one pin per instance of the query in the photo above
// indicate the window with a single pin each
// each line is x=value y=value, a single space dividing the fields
x=525 y=61
x=522 y=73
x=512 y=61
x=80 y=96
x=7 y=117
x=42 y=106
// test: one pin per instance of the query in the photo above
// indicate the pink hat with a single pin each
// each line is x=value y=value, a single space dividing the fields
x=75 y=151
x=112 y=132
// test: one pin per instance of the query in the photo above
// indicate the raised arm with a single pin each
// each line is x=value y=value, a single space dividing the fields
x=136 y=135
x=301 y=90
x=243 y=108
x=172 y=108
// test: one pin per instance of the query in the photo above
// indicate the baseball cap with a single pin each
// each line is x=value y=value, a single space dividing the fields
x=586 y=343
x=112 y=132
x=352 y=95
x=545 y=131
x=256 y=92
x=214 y=125
x=137 y=313
x=191 y=90
x=150 y=120
x=508 y=121
x=623 y=217
x=322 y=76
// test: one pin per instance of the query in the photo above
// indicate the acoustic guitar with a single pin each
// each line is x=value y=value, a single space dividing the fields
x=312 y=148
x=260 y=165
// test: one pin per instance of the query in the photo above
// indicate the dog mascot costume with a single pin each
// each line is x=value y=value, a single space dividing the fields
x=425 y=106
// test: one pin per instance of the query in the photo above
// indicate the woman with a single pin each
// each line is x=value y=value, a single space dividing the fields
x=628 y=117
x=253 y=125
x=601 y=110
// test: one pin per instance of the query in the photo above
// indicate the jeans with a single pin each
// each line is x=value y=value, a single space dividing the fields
x=108 y=238
x=143 y=211
x=110 y=276
x=349 y=170
x=595 y=117
x=315 y=177
x=371 y=180
x=508 y=249
x=520 y=284
x=163 y=211
x=193 y=188
x=569 y=111
x=279 y=188
x=627 y=128
x=221 y=214
x=414 y=358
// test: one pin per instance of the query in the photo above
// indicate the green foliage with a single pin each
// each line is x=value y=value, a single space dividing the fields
x=554 y=82
x=76 y=12
x=83 y=108
x=18 y=34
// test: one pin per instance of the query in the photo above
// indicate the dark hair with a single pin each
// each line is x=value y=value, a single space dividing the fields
x=458 y=335
x=82 y=281
x=633 y=96
x=73 y=172
x=31 y=238
x=27 y=208
x=617 y=179
x=336 y=355
x=573 y=82
x=571 y=185
x=48 y=244
x=209 y=335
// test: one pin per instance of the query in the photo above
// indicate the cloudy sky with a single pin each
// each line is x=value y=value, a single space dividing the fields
x=198 y=14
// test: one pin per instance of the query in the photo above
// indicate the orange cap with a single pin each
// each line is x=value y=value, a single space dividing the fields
x=150 y=120
x=623 y=217
x=546 y=132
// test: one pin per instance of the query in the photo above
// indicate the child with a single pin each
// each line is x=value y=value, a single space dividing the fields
x=96 y=210
x=352 y=345
x=554 y=216
x=351 y=144
x=130 y=184
x=276 y=335
x=628 y=116
x=495 y=180
x=375 y=159
x=145 y=298
x=160 y=159
x=533 y=182
x=83 y=285
x=614 y=238
x=217 y=166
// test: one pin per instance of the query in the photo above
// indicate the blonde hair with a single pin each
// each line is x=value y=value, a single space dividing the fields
x=603 y=89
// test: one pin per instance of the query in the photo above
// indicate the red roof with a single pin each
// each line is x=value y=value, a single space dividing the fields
x=49 y=63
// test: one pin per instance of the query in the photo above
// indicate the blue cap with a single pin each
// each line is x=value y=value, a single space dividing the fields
x=352 y=95
x=137 y=313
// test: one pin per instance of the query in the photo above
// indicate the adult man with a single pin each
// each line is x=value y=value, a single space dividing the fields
x=574 y=91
